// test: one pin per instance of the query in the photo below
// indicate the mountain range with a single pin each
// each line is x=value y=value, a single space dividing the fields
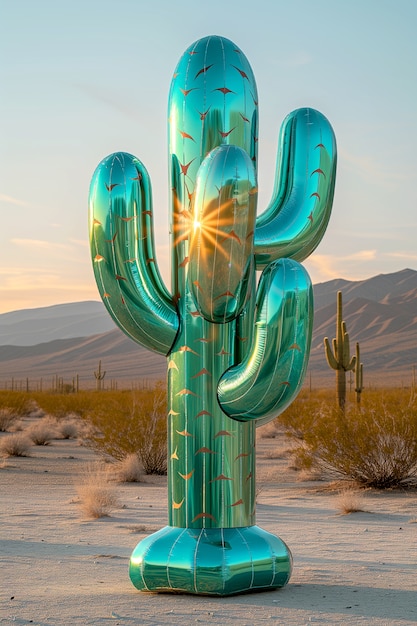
x=69 y=339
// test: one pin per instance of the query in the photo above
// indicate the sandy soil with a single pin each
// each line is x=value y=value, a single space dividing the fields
x=62 y=569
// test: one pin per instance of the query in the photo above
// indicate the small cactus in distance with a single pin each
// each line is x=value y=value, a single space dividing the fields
x=358 y=375
x=339 y=357
x=99 y=375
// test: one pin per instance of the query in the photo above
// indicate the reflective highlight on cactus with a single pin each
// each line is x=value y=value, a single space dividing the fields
x=236 y=353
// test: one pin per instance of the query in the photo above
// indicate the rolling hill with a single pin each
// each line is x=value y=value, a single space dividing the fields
x=70 y=339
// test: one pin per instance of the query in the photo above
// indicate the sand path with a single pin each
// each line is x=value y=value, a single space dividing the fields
x=58 y=568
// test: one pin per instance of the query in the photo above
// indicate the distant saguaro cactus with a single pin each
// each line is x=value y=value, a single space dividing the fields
x=358 y=374
x=99 y=376
x=339 y=357
x=237 y=355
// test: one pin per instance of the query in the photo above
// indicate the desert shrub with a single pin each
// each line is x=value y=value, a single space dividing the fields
x=17 y=444
x=97 y=497
x=375 y=445
x=60 y=405
x=69 y=428
x=129 y=469
x=8 y=418
x=13 y=406
x=132 y=423
x=43 y=431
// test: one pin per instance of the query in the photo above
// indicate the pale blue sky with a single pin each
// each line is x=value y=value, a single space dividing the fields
x=82 y=79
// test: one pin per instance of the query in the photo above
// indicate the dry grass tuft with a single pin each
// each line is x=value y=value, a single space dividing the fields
x=350 y=501
x=97 y=498
x=129 y=469
x=17 y=444
x=43 y=431
x=69 y=429
x=8 y=418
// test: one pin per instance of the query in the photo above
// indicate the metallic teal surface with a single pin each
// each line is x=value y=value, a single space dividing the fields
x=221 y=561
x=271 y=374
x=236 y=354
x=221 y=241
x=122 y=245
x=297 y=216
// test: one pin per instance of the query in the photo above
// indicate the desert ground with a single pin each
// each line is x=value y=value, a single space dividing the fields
x=58 y=567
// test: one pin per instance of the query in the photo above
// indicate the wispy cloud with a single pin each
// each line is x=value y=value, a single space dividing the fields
x=353 y=266
x=15 y=201
x=40 y=244
x=407 y=256
x=62 y=255
x=359 y=265
x=80 y=242
x=36 y=286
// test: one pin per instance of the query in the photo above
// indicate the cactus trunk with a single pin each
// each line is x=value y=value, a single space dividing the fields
x=341 y=388
x=211 y=457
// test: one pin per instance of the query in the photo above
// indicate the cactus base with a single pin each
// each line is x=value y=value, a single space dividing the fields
x=210 y=561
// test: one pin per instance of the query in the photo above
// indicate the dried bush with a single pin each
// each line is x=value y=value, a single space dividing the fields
x=17 y=444
x=43 y=431
x=69 y=428
x=375 y=445
x=350 y=501
x=132 y=423
x=8 y=419
x=129 y=469
x=98 y=498
x=13 y=406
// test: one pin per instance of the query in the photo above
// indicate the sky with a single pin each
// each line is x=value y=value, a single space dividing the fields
x=82 y=79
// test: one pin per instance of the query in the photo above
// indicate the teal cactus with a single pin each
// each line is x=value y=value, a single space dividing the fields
x=236 y=355
x=338 y=355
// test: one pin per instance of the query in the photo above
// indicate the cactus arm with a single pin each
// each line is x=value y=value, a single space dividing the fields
x=122 y=245
x=358 y=371
x=348 y=361
x=273 y=371
x=331 y=359
x=294 y=222
x=345 y=349
x=340 y=337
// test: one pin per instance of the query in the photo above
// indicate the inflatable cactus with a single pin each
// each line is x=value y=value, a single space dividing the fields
x=236 y=351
